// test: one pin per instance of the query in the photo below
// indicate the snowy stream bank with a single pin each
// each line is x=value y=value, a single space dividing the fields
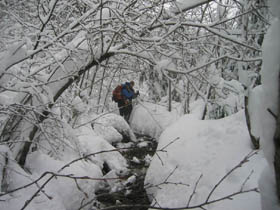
x=130 y=190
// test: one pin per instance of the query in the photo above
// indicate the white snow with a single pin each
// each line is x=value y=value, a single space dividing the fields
x=150 y=119
x=192 y=157
x=64 y=192
x=269 y=73
x=65 y=188
x=131 y=180
x=255 y=108
x=188 y=148
x=270 y=91
x=186 y=4
x=143 y=144
x=17 y=177
x=268 y=191
x=91 y=143
x=111 y=127
x=274 y=7
x=192 y=148
x=14 y=54
x=135 y=160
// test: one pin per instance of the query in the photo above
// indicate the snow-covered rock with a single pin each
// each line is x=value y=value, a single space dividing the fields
x=16 y=177
x=150 y=119
x=190 y=148
x=112 y=127
x=92 y=143
x=62 y=187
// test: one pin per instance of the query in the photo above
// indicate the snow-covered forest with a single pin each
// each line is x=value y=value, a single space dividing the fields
x=204 y=133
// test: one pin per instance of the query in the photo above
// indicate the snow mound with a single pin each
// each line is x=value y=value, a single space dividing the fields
x=112 y=128
x=62 y=187
x=91 y=143
x=67 y=188
x=150 y=119
x=191 y=148
x=16 y=177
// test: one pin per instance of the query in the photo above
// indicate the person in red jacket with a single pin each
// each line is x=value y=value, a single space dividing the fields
x=125 y=105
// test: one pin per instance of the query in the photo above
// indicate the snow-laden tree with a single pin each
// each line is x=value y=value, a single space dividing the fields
x=54 y=51
x=57 y=55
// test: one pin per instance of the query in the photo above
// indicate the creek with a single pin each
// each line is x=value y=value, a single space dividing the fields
x=131 y=189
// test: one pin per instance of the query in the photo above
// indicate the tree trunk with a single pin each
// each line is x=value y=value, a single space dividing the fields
x=277 y=145
x=4 y=177
x=255 y=141
x=187 y=98
x=205 y=107
x=100 y=89
x=109 y=89
x=93 y=79
x=23 y=155
x=169 y=96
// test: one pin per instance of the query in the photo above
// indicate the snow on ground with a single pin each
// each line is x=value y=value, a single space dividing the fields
x=65 y=188
x=151 y=119
x=92 y=143
x=190 y=147
x=111 y=127
x=64 y=192
x=16 y=177
x=210 y=148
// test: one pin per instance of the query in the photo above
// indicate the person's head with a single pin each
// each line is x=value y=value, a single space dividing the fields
x=132 y=84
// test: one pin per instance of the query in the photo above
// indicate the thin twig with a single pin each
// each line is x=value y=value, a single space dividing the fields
x=183 y=207
x=164 y=147
x=170 y=174
x=246 y=159
x=246 y=180
x=272 y=113
x=194 y=189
